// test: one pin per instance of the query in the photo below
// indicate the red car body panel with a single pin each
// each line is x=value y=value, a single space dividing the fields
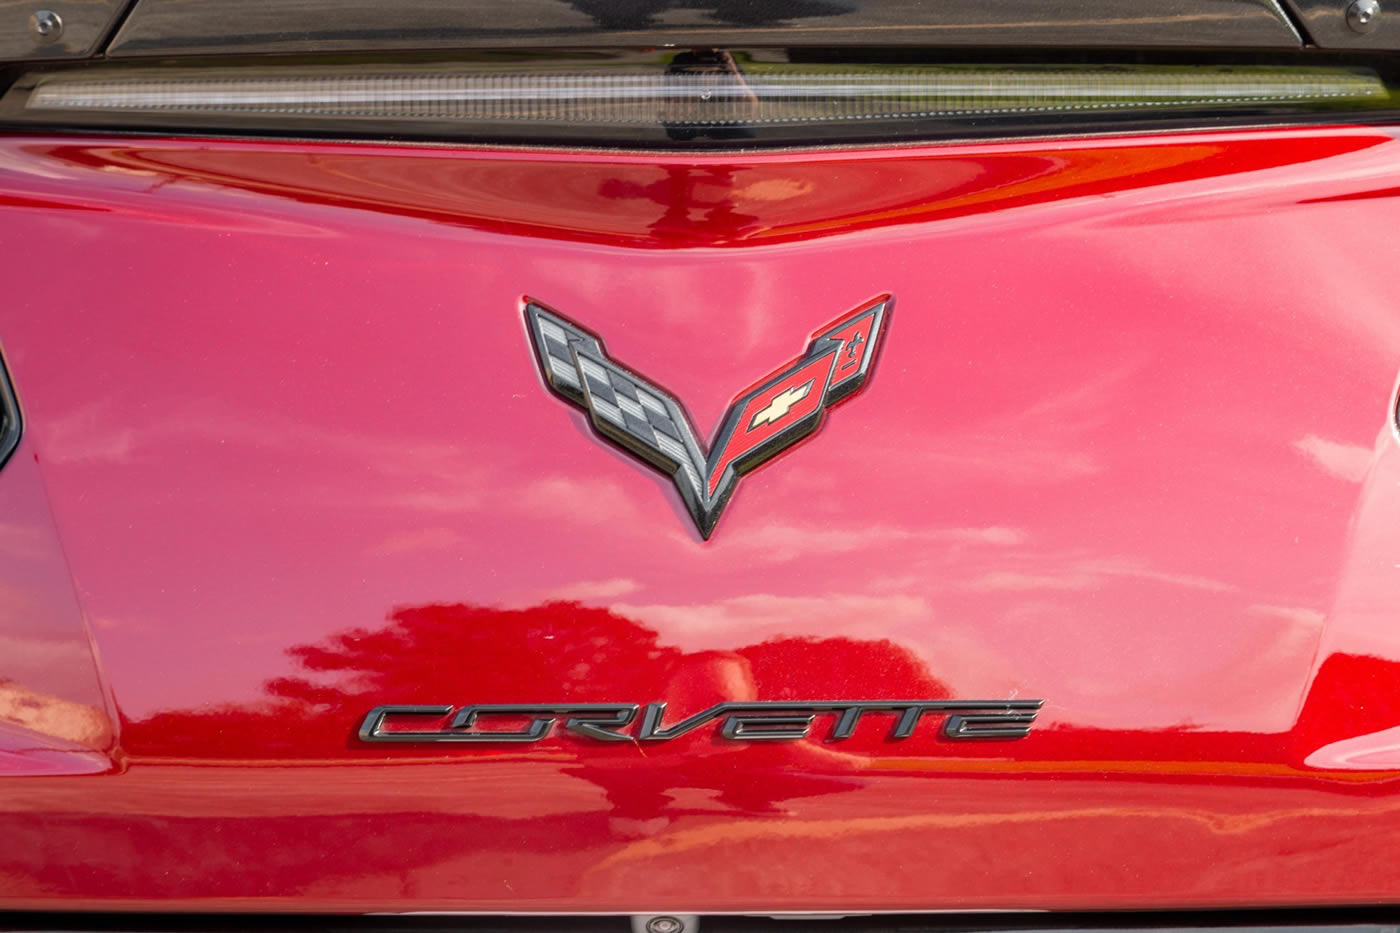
x=1129 y=448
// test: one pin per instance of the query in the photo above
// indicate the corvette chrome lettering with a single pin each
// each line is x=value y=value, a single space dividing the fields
x=767 y=419
x=742 y=721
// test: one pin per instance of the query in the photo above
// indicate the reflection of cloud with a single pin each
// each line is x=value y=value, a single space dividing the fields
x=89 y=433
x=1012 y=459
x=1056 y=438
x=1010 y=581
x=555 y=498
x=28 y=655
x=456 y=502
x=21 y=541
x=1344 y=461
x=1134 y=569
x=422 y=539
x=761 y=615
x=19 y=603
x=587 y=501
x=642 y=861
x=595 y=589
x=774 y=189
x=1297 y=637
x=102 y=432
x=51 y=716
x=41 y=648
x=1311 y=618
x=779 y=542
x=424 y=475
x=1083 y=573
x=1376 y=751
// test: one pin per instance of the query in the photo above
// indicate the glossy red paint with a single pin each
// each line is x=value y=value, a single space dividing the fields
x=1129 y=448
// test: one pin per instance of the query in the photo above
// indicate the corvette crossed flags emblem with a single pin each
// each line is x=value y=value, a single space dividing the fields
x=646 y=421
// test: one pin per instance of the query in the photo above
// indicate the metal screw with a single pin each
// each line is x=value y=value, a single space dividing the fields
x=1364 y=15
x=47 y=25
x=664 y=925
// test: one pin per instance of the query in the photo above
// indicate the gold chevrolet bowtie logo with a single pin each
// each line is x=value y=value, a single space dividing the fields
x=781 y=403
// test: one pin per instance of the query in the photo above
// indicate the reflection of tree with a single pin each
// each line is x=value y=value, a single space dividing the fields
x=1352 y=695
x=694 y=199
x=840 y=668
x=565 y=652
x=757 y=778
x=460 y=653
x=556 y=653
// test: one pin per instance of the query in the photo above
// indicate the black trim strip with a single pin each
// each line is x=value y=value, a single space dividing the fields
x=180 y=27
x=1264 y=920
x=11 y=424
